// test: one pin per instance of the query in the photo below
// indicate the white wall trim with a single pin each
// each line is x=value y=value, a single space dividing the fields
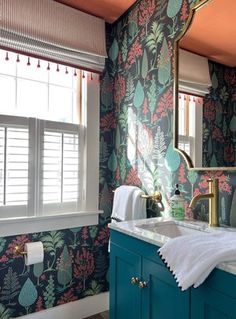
x=75 y=310
x=34 y=224
x=90 y=120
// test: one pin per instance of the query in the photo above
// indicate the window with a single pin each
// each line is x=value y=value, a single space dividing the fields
x=41 y=153
x=41 y=100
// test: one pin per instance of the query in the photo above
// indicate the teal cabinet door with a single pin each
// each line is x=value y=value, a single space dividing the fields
x=162 y=299
x=208 y=303
x=125 y=297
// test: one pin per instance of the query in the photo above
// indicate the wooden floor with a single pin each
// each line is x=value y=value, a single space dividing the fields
x=104 y=315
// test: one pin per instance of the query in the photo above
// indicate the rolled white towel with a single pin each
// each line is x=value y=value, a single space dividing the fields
x=138 y=205
x=123 y=201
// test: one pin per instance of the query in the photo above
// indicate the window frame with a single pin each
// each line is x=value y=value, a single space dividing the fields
x=88 y=213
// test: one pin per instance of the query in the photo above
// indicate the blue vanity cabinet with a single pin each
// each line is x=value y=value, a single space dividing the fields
x=124 y=295
x=162 y=299
x=158 y=297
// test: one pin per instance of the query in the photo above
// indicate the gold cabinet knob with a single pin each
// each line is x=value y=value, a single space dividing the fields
x=134 y=280
x=142 y=284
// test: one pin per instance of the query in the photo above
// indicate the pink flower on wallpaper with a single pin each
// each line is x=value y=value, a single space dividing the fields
x=39 y=304
x=103 y=236
x=18 y=241
x=132 y=178
x=229 y=153
x=145 y=106
x=146 y=10
x=182 y=178
x=230 y=76
x=108 y=122
x=225 y=187
x=134 y=52
x=217 y=135
x=133 y=15
x=67 y=297
x=119 y=87
x=203 y=184
x=119 y=59
x=84 y=264
x=4 y=259
x=165 y=104
x=223 y=179
x=184 y=11
x=154 y=118
x=142 y=33
x=85 y=234
x=118 y=173
x=209 y=110
x=196 y=192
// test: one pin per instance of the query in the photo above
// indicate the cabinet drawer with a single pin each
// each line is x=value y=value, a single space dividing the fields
x=140 y=247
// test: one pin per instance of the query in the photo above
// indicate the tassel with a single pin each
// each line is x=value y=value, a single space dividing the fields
x=91 y=76
x=18 y=58
x=48 y=68
x=38 y=65
x=83 y=75
x=75 y=74
x=28 y=63
x=7 y=57
x=58 y=68
x=67 y=71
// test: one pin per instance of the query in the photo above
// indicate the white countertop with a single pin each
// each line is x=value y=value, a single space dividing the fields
x=132 y=228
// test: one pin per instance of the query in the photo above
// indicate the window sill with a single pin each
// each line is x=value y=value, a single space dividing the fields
x=25 y=225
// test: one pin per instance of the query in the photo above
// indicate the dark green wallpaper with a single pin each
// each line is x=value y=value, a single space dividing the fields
x=135 y=148
x=219 y=120
x=137 y=110
x=75 y=266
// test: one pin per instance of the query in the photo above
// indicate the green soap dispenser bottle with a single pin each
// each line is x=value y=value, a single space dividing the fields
x=177 y=205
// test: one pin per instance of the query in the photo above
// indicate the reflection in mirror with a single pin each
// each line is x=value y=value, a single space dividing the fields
x=206 y=96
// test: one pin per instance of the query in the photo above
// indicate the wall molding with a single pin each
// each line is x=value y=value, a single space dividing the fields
x=79 y=309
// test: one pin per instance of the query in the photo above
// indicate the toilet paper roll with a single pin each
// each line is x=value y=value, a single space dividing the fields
x=34 y=253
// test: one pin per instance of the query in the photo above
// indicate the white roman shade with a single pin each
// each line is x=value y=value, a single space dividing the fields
x=53 y=31
x=194 y=77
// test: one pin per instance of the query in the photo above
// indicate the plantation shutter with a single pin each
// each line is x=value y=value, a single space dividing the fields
x=14 y=165
x=60 y=166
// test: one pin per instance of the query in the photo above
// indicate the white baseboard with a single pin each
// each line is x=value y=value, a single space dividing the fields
x=79 y=309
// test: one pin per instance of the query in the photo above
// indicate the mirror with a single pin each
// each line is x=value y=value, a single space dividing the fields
x=205 y=87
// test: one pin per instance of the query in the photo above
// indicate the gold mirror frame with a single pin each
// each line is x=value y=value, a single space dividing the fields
x=176 y=96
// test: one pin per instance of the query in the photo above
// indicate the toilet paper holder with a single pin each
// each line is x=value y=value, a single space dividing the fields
x=19 y=251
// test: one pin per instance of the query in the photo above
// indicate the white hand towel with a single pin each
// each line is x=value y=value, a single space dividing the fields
x=139 y=205
x=122 y=204
x=191 y=258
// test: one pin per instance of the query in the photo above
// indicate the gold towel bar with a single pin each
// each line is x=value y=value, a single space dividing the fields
x=156 y=196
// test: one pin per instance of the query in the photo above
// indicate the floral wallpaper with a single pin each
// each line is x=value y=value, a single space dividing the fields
x=75 y=266
x=219 y=120
x=137 y=112
x=136 y=131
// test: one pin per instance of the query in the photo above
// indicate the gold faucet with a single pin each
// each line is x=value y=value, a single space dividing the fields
x=213 y=197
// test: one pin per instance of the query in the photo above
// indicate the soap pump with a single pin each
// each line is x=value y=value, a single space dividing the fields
x=177 y=205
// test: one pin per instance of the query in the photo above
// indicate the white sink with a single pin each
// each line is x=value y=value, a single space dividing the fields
x=171 y=229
